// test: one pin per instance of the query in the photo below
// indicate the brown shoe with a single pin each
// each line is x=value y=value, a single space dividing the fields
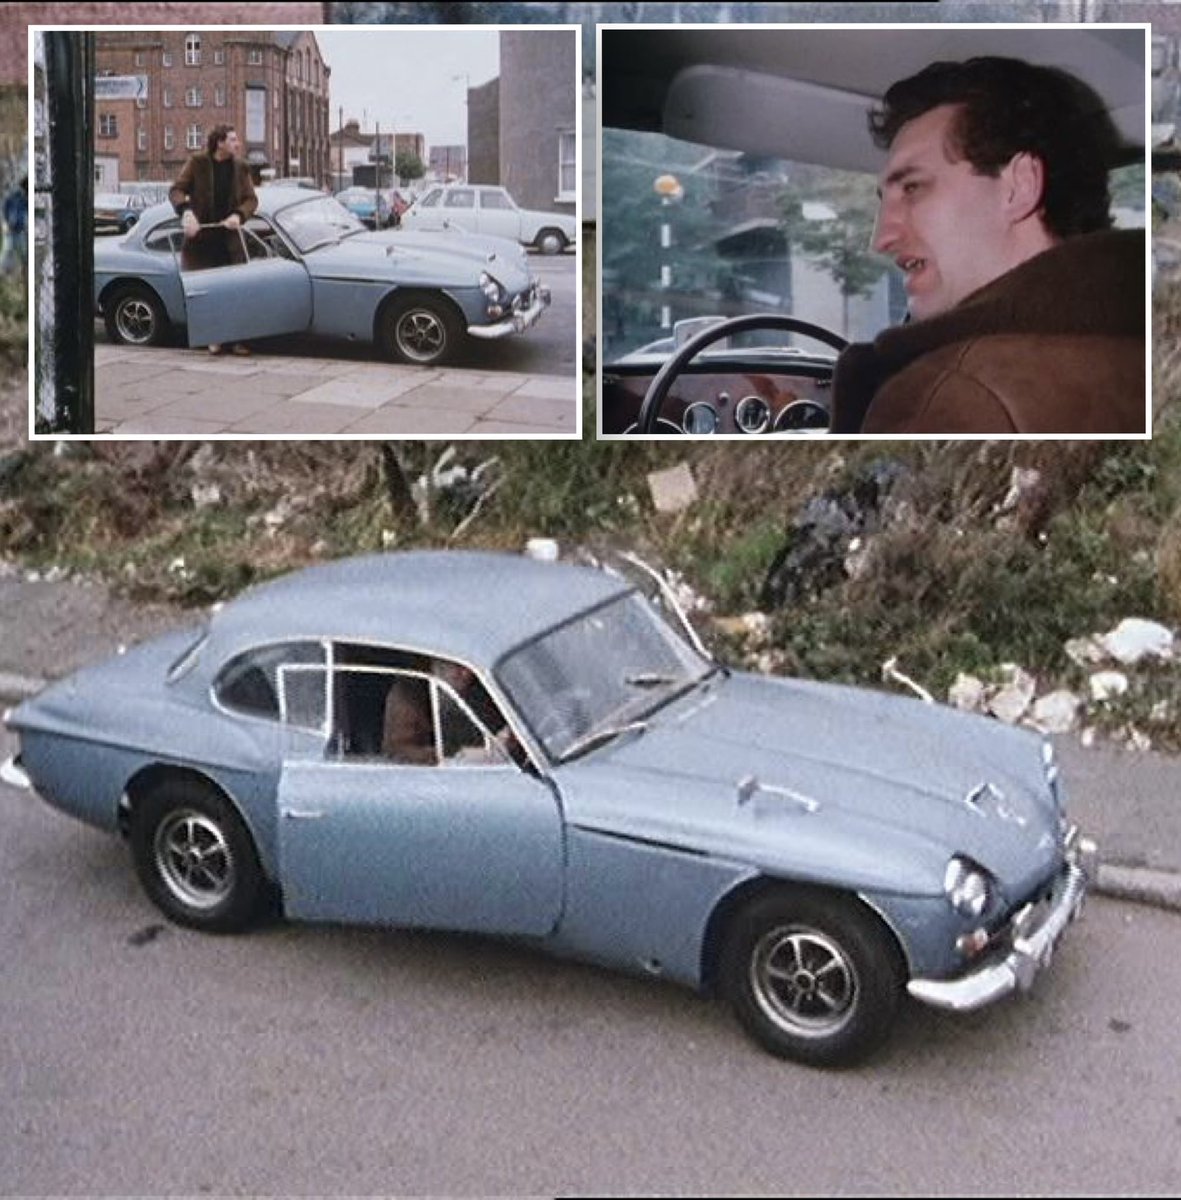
x=242 y=349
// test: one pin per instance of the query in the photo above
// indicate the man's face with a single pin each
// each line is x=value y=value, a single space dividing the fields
x=231 y=147
x=943 y=225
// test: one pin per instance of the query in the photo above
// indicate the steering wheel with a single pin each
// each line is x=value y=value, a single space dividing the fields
x=663 y=380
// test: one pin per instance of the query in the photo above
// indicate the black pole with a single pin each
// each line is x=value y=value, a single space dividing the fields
x=69 y=77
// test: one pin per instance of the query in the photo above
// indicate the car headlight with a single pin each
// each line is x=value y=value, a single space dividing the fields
x=492 y=288
x=968 y=887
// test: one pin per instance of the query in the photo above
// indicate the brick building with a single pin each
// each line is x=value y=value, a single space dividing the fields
x=522 y=125
x=272 y=87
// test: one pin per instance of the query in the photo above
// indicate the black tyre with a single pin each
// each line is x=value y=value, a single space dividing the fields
x=135 y=316
x=551 y=241
x=812 y=977
x=423 y=330
x=195 y=858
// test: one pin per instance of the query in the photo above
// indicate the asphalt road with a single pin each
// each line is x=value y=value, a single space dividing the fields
x=137 y=1057
x=552 y=347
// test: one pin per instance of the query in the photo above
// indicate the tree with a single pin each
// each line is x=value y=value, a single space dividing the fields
x=839 y=244
x=408 y=166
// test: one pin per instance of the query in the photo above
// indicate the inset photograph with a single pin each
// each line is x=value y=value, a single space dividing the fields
x=335 y=232
x=874 y=231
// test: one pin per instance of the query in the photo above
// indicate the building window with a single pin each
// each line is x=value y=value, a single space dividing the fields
x=167 y=95
x=567 y=165
x=194 y=138
x=255 y=58
x=141 y=139
x=139 y=58
x=193 y=50
x=108 y=125
x=141 y=102
x=193 y=98
x=169 y=138
x=219 y=58
x=166 y=58
x=219 y=96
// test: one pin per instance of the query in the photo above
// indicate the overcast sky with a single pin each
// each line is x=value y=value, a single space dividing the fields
x=402 y=78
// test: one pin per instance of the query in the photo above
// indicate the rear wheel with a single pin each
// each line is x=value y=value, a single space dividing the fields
x=420 y=329
x=812 y=976
x=195 y=857
x=135 y=316
x=551 y=241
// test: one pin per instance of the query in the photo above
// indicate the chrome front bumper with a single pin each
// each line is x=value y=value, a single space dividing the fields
x=515 y=322
x=13 y=774
x=1035 y=931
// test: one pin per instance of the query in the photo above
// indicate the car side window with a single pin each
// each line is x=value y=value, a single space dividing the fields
x=165 y=238
x=460 y=198
x=495 y=199
x=431 y=198
x=395 y=707
x=250 y=683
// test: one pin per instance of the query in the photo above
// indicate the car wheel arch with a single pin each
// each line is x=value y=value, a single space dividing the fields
x=131 y=284
x=751 y=890
x=405 y=297
x=148 y=779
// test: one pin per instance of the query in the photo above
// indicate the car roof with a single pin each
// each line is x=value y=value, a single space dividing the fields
x=272 y=197
x=724 y=87
x=470 y=605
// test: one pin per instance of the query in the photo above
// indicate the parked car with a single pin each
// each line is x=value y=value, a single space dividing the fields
x=676 y=109
x=599 y=787
x=313 y=267
x=490 y=210
x=115 y=212
x=371 y=208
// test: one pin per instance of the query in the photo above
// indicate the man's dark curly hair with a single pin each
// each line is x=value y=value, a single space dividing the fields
x=217 y=135
x=1006 y=107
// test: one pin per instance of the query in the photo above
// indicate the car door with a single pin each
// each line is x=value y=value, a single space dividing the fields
x=471 y=845
x=499 y=216
x=459 y=209
x=267 y=295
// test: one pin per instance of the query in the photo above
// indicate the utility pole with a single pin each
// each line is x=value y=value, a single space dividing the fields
x=69 y=82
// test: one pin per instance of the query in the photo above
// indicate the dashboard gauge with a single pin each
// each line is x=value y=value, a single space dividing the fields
x=700 y=418
x=802 y=416
x=753 y=414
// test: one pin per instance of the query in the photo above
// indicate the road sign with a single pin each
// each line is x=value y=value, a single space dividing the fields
x=121 y=87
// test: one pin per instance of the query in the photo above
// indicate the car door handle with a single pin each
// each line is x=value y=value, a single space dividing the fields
x=302 y=814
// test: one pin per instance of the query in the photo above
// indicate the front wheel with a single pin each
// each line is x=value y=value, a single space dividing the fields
x=195 y=858
x=423 y=330
x=135 y=316
x=812 y=977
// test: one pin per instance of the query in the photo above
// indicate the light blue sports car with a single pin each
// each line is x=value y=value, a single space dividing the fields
x=537 y=750
x=311 y=266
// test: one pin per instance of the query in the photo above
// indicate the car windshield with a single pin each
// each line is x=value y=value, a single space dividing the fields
x=599 y=674
x=320 y=221
x=691 y=232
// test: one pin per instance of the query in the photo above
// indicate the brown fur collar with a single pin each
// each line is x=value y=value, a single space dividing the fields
x=1093 y=283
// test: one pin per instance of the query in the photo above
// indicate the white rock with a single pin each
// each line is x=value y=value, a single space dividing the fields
x=205 y=495
x=1009 y=704
x=1134 y=639
x=1085 y=651
x=673 y=490
x=967 y=693
x=1106 y=685
x=1056 y=712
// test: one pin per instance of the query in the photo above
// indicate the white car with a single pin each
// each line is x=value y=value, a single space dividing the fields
x=481 y=208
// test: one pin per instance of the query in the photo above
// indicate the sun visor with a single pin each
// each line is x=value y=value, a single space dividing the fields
x=734 y=109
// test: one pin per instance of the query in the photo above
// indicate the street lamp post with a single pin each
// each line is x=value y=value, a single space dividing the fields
x=668 y=188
